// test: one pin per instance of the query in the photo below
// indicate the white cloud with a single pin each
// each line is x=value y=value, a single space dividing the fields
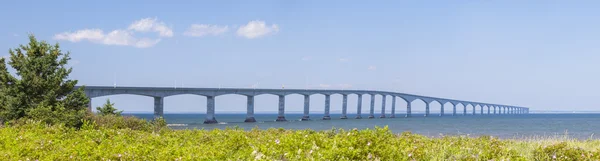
x=324 y=85
x=121 y=37
x=151 y=25
x=199 y=30
x=306 y=58
x=86 y=34
x=256 y=28
x=343 y=59
x=345 y=86
x=115 y=37
x=372 y=67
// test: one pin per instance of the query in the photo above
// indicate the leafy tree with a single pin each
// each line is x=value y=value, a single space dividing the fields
x=108 y=109
x=40 y=88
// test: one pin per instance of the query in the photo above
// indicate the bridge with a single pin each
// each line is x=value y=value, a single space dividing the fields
x=159 y=93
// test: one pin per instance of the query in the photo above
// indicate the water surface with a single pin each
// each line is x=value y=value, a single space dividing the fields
x=582 y=126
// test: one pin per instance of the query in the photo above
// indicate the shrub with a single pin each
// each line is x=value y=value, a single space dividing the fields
x=41 y=88
x=108 y=109
x=562 y=151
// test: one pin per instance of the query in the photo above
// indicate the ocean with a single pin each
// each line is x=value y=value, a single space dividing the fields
x=579 y=126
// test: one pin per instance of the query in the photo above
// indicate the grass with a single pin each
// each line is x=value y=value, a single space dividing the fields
x=36 y=141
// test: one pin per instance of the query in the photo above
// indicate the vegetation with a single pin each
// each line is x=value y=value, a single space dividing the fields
x=34 y=140
x=40 y=88
x=108 y=109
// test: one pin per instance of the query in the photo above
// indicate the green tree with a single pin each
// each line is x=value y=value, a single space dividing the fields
x=108 y=109
x=40 y=88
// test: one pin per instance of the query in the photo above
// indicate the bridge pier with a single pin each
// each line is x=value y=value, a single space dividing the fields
x=327 y=107
x=408 y=110
x=382 y=106
x=281 y=109
x=481 y=110
x=426 y=109
x=488 y=110
x=306 y=116
x=89 y=105
x=441 y=109
x=158 y=107
x=250 y=109
x=344 y=106
x=465 y=110
x=453 y=109
x=473 y=110
x=372 y=109
x=494 y=109
x=393 y=115
x=359 y=106
x=210 y=110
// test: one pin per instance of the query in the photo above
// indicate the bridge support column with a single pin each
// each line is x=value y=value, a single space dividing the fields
x=465 y=110
x=494 y=109
x=481 y=110
x=281 y=112
x=344 y=106
x=327 y=107
x=441 y=109
x=382 y=106
x=408 y=109
x=89 y=105
x=306 y=116
x=158 y=107
x=359 y=107
x=473 y=110
x=488 y=110
x=453 y=110
x=393 y=115
x=250 y=109
x=372 y=109
x=210 y=110
x=427 y=109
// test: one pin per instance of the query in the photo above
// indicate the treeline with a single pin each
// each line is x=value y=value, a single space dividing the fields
x=40 y=89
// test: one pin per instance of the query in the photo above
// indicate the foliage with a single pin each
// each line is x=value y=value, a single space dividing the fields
x=121 y=122
x=40 y=88
x=108 y=109
x=35 y=140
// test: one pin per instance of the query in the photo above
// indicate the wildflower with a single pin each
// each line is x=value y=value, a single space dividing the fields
x=369 y=144
x=554 y=156
x=119 y=155
x=370 y=156
x=409 y=154
x=277 y=141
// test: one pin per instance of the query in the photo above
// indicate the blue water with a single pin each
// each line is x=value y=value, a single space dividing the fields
x=581 y=126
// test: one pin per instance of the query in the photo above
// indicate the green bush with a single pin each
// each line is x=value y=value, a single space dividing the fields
x=123 y=122
x=34 y=140
x=562 y=151
x=40 y=88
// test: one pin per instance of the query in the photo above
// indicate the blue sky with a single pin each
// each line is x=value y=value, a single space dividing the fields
x=541 y=54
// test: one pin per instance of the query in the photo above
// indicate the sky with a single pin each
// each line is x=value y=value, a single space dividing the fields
x=538 y=54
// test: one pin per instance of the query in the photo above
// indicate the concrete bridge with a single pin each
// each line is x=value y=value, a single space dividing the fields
x=159 y=93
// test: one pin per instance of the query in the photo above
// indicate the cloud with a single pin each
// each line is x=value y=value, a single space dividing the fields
x=306 y=58
x=324 y=85
x=256 y=29
x=151 y=25
x=120 y=37
x=115 y=37
x=372 y=67
x=343 y=59
x=199 y=30
x=345 y=86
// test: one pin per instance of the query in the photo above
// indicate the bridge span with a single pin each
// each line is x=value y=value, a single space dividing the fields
x=159 y=93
